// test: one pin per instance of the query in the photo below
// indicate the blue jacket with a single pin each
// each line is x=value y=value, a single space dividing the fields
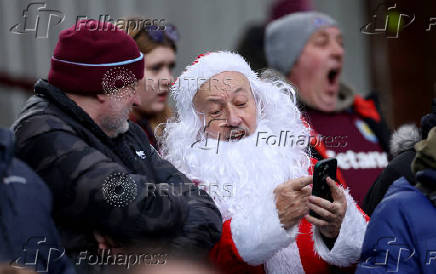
x=28 y=236
x=401 y=236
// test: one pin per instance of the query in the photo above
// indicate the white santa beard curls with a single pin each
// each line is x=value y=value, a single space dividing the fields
x=239 y=172
x=251 y=170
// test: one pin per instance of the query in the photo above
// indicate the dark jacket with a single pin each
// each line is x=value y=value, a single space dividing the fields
x=119 y=187
x=401 y=236
x=397 y=168
x=28 y=236
x=402 y=143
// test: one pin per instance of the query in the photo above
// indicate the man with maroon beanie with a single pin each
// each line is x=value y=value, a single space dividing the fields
x=110 y=186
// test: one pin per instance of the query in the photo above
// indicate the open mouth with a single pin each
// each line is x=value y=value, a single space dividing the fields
x=237 y=134
x=333 y=75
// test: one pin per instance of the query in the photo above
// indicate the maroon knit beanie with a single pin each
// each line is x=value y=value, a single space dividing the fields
x=95 y=57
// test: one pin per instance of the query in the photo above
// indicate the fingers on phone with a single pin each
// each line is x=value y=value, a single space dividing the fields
x=324 y=213
x=337 y=193
x=301 y=182
x=307 y=190
x=316 y=221
x=323 y=203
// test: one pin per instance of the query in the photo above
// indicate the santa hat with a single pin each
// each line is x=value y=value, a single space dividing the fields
x=95 y=57
x=202 y=69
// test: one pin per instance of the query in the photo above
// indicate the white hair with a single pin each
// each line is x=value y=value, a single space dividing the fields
x=240 y=164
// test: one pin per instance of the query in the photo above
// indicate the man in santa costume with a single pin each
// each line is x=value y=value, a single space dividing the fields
x=243 y=140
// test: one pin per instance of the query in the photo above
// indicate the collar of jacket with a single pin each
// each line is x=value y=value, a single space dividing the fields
x=145 y=125
x=64 y=103
x=345 y=97
x=6 y=152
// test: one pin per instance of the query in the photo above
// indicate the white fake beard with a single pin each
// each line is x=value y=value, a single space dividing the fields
x=236 y=173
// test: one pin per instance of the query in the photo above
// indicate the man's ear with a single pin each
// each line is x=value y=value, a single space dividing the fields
x=102 y=98
x=103 y=243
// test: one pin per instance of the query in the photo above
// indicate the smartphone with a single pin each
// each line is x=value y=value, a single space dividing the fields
x=323 y=169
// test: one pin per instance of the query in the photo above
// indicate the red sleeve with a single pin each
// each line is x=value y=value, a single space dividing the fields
x=226 y=257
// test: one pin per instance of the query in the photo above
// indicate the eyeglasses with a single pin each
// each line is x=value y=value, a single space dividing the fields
x=158 y=35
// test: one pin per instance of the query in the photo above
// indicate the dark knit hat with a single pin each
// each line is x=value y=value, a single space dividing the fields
x=286 y=37
x=95 y=57
x=428 y=121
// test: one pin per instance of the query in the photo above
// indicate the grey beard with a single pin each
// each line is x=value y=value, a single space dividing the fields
x=114 y=126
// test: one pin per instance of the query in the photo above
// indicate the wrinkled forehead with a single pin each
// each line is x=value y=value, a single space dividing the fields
x=328 y=31
x=223 y=86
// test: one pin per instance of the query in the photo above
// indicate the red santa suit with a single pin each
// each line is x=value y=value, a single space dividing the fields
x=253 y=239
x=239 y=251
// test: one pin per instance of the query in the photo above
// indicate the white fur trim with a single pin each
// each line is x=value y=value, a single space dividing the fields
x=201 y=70
x=348 y=245
x=404 y=138
x=258 y=233
x=287 y=260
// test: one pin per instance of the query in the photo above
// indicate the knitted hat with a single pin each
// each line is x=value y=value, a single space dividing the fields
x=95 y=57
x=286 y=37
x=428 y=121
x=201 y=70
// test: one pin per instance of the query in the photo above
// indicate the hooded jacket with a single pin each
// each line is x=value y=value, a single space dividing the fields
x=27 y=233
x=402 y=143
x=119 y=186
x=401 y=236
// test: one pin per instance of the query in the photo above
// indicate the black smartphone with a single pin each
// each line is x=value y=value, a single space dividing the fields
x=323 y=169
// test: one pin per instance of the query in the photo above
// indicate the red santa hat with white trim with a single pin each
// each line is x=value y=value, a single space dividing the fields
x=202 y=69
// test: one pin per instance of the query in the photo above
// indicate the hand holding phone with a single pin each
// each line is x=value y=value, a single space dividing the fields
x=323 y=169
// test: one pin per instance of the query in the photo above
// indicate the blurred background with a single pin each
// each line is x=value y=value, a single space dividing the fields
x=395 y=57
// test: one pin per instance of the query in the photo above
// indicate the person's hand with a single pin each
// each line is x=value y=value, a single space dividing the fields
x=105 y=242
x=292 y=198
x=331 y=214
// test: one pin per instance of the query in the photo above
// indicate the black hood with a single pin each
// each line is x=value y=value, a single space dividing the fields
x=6 y=151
